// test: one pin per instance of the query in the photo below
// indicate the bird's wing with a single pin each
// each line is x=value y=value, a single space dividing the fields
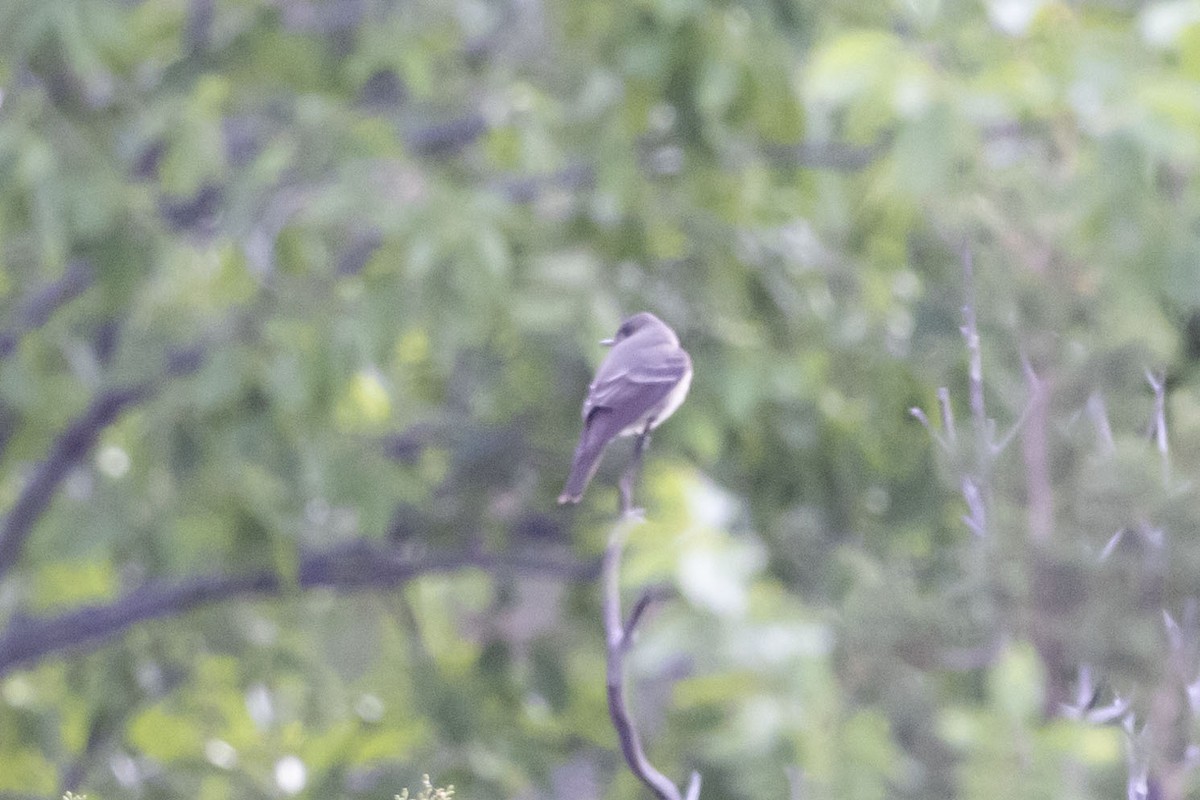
x=632 y=391
x=619 y=397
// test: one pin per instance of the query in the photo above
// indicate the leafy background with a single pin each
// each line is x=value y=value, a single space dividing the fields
x=299 y=301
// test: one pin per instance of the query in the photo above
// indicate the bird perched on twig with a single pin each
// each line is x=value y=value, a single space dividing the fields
x=640 y=383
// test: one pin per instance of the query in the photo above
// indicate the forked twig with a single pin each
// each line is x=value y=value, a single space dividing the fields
x=617 y=638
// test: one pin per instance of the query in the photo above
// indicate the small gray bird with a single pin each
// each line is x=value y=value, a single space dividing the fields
x=640 y=383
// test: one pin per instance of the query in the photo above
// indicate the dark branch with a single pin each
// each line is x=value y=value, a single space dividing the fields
x=617 y=637
x=34 y=310
x=356 y=566
x=73 y=445
x=649 y=595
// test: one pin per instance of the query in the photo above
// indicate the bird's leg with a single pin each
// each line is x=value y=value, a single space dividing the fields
x=628 y=509
x=641 y=443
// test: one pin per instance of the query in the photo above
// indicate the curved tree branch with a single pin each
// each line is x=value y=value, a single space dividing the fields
x=617 y=638
x=355 y=566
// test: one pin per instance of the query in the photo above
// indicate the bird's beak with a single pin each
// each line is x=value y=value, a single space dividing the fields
x=608 y=342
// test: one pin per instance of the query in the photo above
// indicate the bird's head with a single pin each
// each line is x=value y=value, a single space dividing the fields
x=638 y=322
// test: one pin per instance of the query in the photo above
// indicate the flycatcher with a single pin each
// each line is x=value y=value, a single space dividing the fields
x=640 y=383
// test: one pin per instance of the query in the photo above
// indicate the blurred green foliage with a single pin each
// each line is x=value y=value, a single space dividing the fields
x=352 y=258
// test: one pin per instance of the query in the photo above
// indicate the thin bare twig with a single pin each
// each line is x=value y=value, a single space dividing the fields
x=1158 y=758
x=630 y=476
x=947 y=412
x=970 y=332
x=919 y=415
x=1158 y=763
x=1159 y=430
x=1035 y=386
x=976 y=518
x=617 y=637
x=948 y=437
x=649 y=595
x=975 y=487
x=1110 y=546
x=1162 y=771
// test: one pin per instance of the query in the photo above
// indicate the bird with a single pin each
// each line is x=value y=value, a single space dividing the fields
x=640 y=383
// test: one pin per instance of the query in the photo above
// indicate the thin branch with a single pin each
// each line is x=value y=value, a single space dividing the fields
x=970 y=332
x=1098 y=412
x=649 y=596
x=1035 y=386
x=975 y=488
x=1084 y=705
x=35 y=309
x=73 y=445
x=630 y=476
x=1159 y=429
x=617 y=637
x=359 y=565
x=947 y=412
x=976 y=520
x=919 y=415
x=1110 y=547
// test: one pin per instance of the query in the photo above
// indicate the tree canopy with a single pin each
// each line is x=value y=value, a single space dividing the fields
x=300 y=299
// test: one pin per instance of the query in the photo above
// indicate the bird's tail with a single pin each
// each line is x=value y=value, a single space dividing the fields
x=583 y=466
